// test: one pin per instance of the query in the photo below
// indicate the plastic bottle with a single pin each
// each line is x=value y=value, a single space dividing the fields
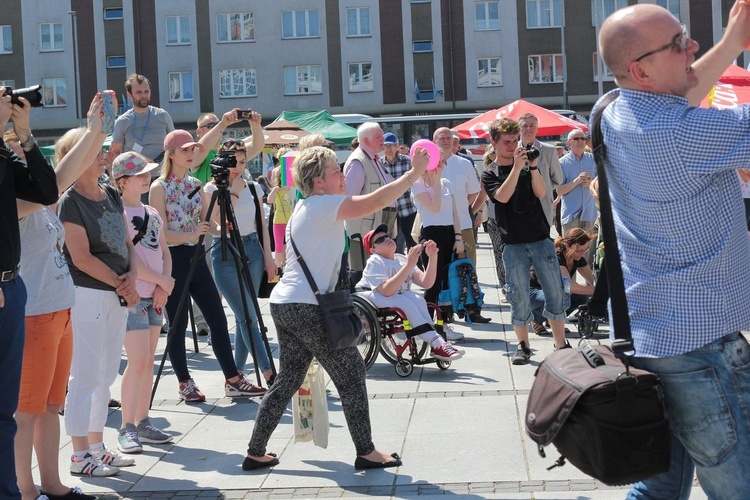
x=566 y=285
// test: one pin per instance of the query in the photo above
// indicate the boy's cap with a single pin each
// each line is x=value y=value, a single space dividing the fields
x=368 y=237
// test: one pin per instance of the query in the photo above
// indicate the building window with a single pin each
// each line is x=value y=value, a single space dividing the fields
x=544 y=13
x=114 y=13
x=420 y=1
x=53 y=92
x=300 y=24
x=422 y=46
x=358 y=21
x=360 y=77
x=606 y=7
x=547 y=68
x=115 y=62
x=487 y=16
x=236 y=27
x=303 y=80
x=237 y=83
x=178 y=30
x=422 y=94
x=489 y=72
x=607 y=75
x=51 y=37
x=181 y=86
x=6 y=40
x=672 y=6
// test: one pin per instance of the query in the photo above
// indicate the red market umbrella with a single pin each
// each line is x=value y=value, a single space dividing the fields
x=726 y=95
x=735 y=75
x=550 y=123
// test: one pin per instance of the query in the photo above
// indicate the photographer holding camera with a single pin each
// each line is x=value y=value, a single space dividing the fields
x=35 y=181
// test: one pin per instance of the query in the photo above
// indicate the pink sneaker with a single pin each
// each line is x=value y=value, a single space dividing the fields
x=446 y=352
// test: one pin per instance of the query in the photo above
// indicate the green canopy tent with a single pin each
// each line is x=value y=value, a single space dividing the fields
x=321 y=122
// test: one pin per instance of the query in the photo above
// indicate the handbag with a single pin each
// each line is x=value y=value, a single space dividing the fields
x=266 y=287
x=604 y=416
x=310 y=408
x=343 y=325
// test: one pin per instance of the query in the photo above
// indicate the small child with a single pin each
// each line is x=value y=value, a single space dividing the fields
x=389 y=275
x=281 y=198
x=130 y=172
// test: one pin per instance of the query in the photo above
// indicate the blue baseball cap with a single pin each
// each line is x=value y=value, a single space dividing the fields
x=389 y=138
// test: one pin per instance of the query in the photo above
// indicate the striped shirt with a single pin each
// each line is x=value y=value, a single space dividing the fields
x=679 y=218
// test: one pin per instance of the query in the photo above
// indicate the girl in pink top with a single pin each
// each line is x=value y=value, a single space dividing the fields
x=154 y=284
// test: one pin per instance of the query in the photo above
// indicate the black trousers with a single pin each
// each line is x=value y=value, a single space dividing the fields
x=444 y=238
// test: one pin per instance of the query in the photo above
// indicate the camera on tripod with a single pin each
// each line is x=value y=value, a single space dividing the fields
x=220 y=166
x=31 y=94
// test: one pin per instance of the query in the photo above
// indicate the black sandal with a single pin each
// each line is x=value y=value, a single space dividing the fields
x=252 y=464
x=361 y=463
x=539 y=329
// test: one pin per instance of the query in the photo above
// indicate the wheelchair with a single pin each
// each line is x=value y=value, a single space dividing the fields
x=386 y=331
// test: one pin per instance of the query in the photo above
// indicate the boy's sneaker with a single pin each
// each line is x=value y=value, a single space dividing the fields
x=190 y=392
x=112 y=458
x=242 y=388
x=127 y=440
x=91 y=466
x=451 y=334
x=74 y=494
x=446 y=352
x=522 y=354
x=147 y=433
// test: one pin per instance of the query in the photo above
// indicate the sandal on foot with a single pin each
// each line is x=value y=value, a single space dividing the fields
x=539 y=329
x=252 y=464
x=361 y=463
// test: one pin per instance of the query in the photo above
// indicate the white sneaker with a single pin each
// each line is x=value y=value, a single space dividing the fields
x=451 y=334
x=112 y=458
x=91 y=466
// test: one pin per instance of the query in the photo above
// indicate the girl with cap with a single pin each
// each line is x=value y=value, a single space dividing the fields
x=317 y=229
x=183 y=206
x=48 y=346
x=103 y=266
x=245 y=204
x=388 y=276
x=130 y=172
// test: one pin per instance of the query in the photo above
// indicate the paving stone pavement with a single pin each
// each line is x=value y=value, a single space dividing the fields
x=460 y=431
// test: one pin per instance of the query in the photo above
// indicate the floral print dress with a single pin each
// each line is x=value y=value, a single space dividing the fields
x=183 y=213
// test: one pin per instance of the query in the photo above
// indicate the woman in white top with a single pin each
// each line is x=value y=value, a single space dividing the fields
x=317 y=229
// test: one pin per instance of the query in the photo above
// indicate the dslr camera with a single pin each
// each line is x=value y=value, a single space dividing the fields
x=220 y=166
x=532 y=153
x=31 y=94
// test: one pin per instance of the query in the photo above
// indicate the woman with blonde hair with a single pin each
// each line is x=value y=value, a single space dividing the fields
x=183 y=207
x=317 y=229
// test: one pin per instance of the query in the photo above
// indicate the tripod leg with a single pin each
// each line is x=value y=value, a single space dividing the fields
x=191 y=315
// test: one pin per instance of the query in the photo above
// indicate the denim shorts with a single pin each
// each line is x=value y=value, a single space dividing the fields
x=143 y=315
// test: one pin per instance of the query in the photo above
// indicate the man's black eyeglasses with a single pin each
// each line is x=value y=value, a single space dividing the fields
x=680 y=41
x=210 y=125
x=381 y=240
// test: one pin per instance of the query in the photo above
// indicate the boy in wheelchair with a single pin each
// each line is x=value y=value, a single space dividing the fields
x=386 y=282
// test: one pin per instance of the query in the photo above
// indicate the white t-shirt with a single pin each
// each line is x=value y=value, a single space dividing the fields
x=429 y=218
x=244 y=206
x=464 y=182
x=379 y=270
x=320 y=239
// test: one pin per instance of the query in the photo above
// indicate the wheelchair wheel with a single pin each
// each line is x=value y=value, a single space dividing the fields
x=404 y=368
x=368 y=348
x=388 y=347
x=443 y=365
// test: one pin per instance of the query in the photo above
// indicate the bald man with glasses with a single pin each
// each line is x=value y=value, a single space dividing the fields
x=682 y=237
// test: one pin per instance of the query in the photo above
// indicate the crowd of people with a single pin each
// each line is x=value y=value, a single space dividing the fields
x=113 y=237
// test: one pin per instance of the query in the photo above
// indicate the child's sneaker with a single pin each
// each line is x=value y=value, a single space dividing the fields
x=91 y=466
x=190 y=392
x=446 y=352
x=242 y=388
x=112 y=458
x=127 y=440
x=147 y=433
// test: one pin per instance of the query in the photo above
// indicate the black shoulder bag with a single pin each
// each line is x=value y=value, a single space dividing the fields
x=343 y=325
x=266 y=287
x=605 y=417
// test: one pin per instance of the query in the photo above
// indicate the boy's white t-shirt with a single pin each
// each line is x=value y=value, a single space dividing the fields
x=444 y=217
x=379 y=269
x=320 y=239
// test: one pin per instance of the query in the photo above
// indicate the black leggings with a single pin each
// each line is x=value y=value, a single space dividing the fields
x=444 y=238
x=302 y=335
x=204 y=293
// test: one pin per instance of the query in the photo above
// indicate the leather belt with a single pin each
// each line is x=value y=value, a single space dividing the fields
x=390 y=209
x=9 y=275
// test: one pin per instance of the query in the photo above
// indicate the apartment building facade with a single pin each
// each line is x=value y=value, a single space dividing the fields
x=374 y=57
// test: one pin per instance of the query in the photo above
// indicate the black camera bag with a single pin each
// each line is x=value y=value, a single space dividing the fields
x=605 y=417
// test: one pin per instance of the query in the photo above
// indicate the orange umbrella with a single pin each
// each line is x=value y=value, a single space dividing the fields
x=550 y=123
x=735 y=75
x=726 y=95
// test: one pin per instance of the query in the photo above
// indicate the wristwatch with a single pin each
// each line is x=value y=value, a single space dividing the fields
x=29 y=143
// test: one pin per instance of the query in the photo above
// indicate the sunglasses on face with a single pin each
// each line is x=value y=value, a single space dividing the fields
x=577 y=139
x=680 y=41
x=380 y=240
x=210 y=125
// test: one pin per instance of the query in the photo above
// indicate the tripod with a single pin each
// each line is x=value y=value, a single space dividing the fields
x=232 y=242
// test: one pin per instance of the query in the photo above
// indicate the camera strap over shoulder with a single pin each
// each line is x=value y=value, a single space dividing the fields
x=258 y=221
